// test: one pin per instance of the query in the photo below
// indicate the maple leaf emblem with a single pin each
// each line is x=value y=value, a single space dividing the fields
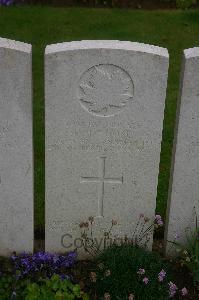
x=105 y=89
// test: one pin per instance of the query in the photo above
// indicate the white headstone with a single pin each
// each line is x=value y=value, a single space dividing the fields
x=104 y=117
x=16 y=163
x=184 y=185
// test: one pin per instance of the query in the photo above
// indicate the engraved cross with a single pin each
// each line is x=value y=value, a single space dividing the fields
x=101 y=179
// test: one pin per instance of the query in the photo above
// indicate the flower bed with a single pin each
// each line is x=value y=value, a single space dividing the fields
x=120 y=272
x=127 y=271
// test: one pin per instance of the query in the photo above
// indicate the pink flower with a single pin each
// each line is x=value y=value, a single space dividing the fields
x=114 y=222
x=141 y=271
x=91 y=219
x=172 y=289
x=107 y=296
x=107 y=273
x=158 y=220
x=184 y=291
x=158 y=217
x=161 y=275
x=93 y=276
x=131 y=297
x=160 y=223
x=145 y=280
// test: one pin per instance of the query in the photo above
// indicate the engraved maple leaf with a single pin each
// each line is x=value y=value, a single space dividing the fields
x=105 y=89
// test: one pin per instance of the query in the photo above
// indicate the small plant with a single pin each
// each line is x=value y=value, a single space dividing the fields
x=131 y=272
x=141 y=235
x=54 y=289
x=189 y=253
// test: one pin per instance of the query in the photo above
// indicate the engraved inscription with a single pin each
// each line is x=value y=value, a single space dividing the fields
x=105 y=89
x=101 y=179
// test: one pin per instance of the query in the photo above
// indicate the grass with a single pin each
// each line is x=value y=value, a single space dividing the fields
x=175 y=30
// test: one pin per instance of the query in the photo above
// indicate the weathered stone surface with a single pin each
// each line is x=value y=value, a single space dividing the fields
x=16 y=167
x=104 y=117
x=184 y=187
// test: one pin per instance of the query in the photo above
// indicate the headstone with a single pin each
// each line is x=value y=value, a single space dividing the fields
x=104 y=117
x=183 y=201
x=16 y=161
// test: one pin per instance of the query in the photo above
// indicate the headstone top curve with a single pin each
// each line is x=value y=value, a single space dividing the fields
x=191 y=52
x=15 y=45
x=107 y=44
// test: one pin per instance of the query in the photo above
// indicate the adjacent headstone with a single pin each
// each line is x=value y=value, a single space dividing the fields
x=16 y=161
x=104 y=117
x=184 y=185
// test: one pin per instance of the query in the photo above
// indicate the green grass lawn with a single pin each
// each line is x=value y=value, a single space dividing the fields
x=175 y=30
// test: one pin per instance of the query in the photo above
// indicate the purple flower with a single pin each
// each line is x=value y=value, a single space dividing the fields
x=6 y=2
x=141 y=271
x=64 y=276
x=145 y=280
x=172 y=289
x=13 y=257
x=47 y=263
x=184 y=291
x=161 y=275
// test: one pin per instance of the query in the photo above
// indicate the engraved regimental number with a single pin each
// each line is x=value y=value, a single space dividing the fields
x=101 y=180
x=104 y=90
